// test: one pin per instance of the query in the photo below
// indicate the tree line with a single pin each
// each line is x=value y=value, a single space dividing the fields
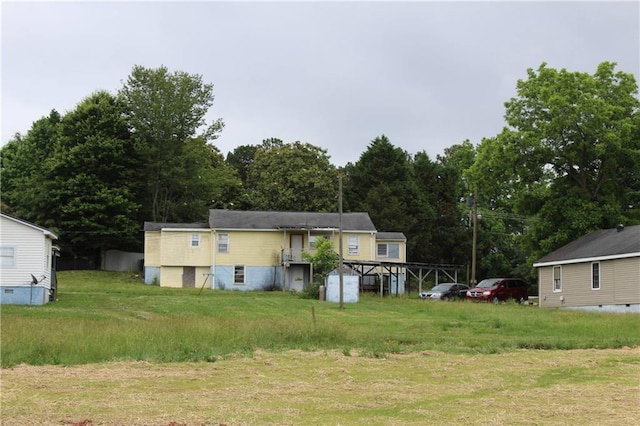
x=567 y=162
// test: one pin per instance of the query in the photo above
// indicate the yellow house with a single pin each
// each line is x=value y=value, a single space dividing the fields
x=260 y=250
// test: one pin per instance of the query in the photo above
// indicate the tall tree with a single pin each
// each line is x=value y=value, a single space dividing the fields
x=92 y=179
x=570 y=156
x=241 y=159
x=382 y=183
x=292 y=177
x=23 y=162
x=165 y=111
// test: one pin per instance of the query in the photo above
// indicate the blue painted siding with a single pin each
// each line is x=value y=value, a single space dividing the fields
x=151 y=274
x=256 y=278
x=396 y=283
x=24 y=295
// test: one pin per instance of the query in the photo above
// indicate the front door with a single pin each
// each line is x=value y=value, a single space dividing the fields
x=188 y=276
x=296 y=247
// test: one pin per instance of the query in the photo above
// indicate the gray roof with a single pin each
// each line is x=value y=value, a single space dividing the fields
x=613 y=243
x=240 y=219
x=157 y=226
x=390 y=236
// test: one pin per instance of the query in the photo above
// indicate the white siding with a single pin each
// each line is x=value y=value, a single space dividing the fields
x=32 y=253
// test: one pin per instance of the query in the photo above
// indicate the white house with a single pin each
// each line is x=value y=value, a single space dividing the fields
x=27 y=264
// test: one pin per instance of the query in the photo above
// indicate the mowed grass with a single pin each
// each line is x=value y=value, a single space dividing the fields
x=102 y=316
x=113 y=351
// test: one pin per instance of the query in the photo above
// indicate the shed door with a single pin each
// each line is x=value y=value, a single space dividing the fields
x=188 y=276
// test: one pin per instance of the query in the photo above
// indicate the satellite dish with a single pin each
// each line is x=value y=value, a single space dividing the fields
x=34 y=280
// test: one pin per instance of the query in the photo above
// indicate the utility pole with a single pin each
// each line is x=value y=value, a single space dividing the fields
x=340 y=258
x=475 y=238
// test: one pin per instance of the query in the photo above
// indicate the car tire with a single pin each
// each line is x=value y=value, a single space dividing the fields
x=521 y=301
x=495 y=300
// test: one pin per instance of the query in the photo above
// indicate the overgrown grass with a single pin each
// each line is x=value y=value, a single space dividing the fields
x=104 y=316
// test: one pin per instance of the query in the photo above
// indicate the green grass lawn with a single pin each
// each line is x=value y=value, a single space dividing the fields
x=102 y=316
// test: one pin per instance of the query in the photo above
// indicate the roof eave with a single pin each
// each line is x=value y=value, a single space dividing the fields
x=585 y=259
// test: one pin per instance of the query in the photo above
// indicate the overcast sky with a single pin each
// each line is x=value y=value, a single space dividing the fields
x=334 y=74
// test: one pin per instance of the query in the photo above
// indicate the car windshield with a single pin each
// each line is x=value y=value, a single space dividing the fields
x=487 y=283
x=442 y=287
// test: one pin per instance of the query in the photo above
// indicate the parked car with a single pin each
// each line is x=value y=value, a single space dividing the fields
x=446 y=291
x=499 y=289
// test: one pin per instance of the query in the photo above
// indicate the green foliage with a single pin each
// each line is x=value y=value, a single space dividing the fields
x=324 y=259
x=382 y=183
x=292 y=177
x=104 y=317
x=23 y=159
x=241 y=159
x=566 y=165
x=91 y=178
x=165 y=111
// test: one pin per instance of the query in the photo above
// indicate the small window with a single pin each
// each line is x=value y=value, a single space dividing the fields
x=223 y=243
x=391 y=250
x=313 y=240
x=195 y=240
x=557 y=279
x=353 y=245
x=7 y=257
x=595 y=276
x=238 y=274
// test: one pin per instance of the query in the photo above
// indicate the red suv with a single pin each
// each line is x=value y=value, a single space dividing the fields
x=499 y=289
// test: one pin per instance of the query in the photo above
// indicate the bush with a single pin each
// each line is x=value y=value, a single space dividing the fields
x=312 y=292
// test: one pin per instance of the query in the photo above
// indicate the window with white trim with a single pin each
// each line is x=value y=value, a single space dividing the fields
x=557 y=278
x=389 y=250
x=313 y=239
x=195 y=240
x=353 y=245
x=7 y=257
x=595 y=276
x=223 y=243
x=238 y=274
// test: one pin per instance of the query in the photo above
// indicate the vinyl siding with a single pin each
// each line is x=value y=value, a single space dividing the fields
x=176 y=249
x=367 y=246
x=256 y=248
x=152 y=248
x=626 y=274
x=619 y=284
x=172 y=277
x=32 y=254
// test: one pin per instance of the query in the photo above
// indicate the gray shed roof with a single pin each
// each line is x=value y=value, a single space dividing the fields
x=606 y=243
x=240 y=219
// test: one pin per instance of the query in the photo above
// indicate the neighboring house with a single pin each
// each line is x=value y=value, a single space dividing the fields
x=260 y=250
x=600 y=271
x=27 y=262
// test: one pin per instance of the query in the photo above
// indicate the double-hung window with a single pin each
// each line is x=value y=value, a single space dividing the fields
x=195 y=240
x=353 y=245
x=595 y=276
x=238 y=274
x=223 y=243
x=7 y=257
x=557 y=279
